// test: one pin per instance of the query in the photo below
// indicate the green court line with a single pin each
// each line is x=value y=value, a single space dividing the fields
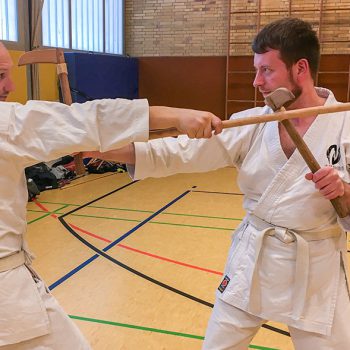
x=47 y=213
x=261 y=347
x=147 y=211
x=151 y=222
x=193 y=226
x=70 y=204
x=165 y=213
x=39 y=218
x=156 y=330
x=203 y=216
x=118 y=324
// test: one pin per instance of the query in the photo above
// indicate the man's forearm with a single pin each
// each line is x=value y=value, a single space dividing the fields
x=125 y=155
x=196 y=124
x=161 y=117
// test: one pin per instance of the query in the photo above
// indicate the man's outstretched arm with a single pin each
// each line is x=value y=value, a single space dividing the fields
x=125 y=155
x=196 y=124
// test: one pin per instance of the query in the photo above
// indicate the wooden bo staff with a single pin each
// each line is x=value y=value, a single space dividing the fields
x=257 y=119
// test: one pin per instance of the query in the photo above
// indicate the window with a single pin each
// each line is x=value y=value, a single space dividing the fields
x=88 y=25
x=8 y=20
x=13 y=23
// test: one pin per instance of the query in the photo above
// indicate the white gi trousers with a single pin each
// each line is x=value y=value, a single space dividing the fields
x=294 y=279
x=230 y=328
x=30 y=317
x=64 y=334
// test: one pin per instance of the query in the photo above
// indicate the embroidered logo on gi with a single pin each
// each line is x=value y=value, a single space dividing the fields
x=333 y=154
x=224 y=284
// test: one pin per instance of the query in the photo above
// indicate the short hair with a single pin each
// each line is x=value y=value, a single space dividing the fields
x=294 y=38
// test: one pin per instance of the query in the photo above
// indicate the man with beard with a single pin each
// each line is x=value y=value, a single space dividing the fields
x=287 y=261
x=30 y=317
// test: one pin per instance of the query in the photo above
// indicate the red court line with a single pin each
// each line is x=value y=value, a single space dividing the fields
x=44 y=208
x=90 y=234
x=132 y=249
x=169 y=260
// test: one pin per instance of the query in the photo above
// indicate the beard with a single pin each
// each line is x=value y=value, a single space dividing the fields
x=296 y=89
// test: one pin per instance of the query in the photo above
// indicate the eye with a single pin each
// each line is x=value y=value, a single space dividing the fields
x=2 y=76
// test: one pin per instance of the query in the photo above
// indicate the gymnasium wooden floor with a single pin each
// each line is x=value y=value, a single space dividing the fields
x=136 y=264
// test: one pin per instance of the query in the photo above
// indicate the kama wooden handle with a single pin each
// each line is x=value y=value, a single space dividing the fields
x=311 y=161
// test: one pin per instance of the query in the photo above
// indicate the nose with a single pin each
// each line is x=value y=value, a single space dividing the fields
x=258 y=80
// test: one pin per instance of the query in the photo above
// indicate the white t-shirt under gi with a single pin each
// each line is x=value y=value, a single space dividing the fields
x=285 y=259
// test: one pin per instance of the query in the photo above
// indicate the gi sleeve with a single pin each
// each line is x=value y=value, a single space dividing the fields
x=42 y=131
x=168 y=156
x=345 y=222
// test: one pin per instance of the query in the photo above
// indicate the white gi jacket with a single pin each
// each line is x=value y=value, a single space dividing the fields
x=291 y=279
x=42 y=131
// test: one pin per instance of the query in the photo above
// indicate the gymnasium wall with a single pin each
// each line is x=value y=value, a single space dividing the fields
x=182 y=47
x=187 y=82
x=175 y=27
x=199 y=27
x=172 y=38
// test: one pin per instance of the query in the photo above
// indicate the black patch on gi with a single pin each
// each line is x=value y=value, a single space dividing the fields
x=224 y=284
x=333 y=154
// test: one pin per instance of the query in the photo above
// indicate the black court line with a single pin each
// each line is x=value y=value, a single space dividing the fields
x=112 y=244
x=146 y=277
x=275 y=329
x=97 y=199
x=214 y=192
x=128 y=268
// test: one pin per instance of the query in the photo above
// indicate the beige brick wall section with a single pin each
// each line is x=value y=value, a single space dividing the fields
x=199 y=27
x=176 y=27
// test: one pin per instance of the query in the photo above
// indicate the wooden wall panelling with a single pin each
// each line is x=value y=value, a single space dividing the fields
x=188 y=82
x=240 y=91
x=329 y=19
x=334 y=75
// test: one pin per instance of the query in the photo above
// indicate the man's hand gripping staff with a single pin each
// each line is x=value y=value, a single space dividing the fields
x=196 y=124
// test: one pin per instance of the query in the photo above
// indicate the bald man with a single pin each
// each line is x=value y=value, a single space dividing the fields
x=30 y=317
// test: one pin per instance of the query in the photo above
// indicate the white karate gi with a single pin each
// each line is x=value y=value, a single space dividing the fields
x=286 y=275
x=30 y=317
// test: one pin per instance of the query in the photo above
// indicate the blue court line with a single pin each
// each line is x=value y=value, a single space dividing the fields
x=81 y=266
x=101 y=252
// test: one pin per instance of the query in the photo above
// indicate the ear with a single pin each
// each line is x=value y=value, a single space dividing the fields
x=302 y=68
